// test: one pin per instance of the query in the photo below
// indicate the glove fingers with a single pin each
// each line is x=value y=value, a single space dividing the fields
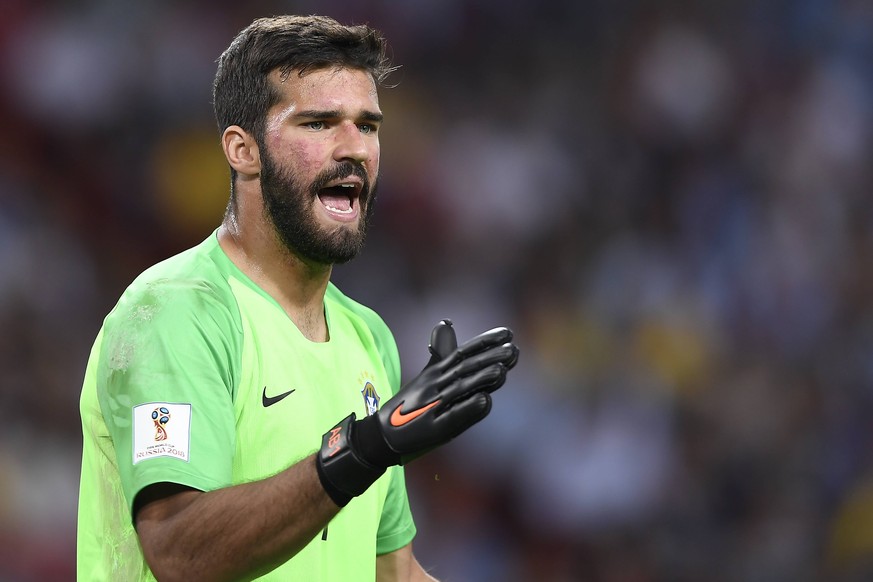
x=462 y=415
x=486 y=381
x=500 y=336
x=443 y=341
x=486 y=340
x=507 y=355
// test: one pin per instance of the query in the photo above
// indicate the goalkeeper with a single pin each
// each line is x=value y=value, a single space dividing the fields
x=243 y=418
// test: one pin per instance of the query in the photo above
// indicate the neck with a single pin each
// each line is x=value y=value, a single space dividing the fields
x=297 y=286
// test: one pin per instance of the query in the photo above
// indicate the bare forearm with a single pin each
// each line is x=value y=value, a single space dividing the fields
x=238 y=532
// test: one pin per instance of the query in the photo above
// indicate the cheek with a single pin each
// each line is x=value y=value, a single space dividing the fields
x=373 y=162
x=302 y=157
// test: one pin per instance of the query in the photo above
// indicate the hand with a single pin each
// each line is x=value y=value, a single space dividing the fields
x=452 y=393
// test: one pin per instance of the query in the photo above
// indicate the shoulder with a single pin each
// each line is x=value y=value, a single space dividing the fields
x=186 y=286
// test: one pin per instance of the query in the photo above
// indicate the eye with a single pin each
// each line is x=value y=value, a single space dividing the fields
x=367 y=128
x=315 y=125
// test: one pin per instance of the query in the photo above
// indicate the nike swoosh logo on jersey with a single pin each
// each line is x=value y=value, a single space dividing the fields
x=399 y=418
x=271 y=400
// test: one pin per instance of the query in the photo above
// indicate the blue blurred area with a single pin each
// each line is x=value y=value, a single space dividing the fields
x=669 y=202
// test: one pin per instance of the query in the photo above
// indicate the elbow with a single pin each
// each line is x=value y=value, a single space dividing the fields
x=169 y=550
x=163 y=564
x=166 y=559
x=169 y=561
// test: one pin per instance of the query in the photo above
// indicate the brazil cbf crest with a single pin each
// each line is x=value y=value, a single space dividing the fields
x=371 y=398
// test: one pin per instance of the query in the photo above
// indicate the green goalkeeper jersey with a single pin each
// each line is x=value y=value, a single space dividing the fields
x=198 y=377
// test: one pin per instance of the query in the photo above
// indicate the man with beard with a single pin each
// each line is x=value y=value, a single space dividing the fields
x=242 y=417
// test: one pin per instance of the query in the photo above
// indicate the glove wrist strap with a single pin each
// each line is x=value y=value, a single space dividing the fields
x=370 y=445
x=343 y=473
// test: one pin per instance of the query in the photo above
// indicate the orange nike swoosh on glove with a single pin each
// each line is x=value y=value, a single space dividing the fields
x=399 y=418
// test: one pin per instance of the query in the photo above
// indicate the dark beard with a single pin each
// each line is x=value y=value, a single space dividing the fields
x=288 y=204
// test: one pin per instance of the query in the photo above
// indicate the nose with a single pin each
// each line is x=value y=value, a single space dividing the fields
x=350 y=144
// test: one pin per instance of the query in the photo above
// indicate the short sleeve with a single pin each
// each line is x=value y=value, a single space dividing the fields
x=165 y=383
x=396 y=527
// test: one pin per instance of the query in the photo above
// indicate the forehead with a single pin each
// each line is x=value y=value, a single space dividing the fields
x=334 y=88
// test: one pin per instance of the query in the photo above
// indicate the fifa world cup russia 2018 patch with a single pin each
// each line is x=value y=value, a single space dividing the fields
x=161 y=429
x=371 y=398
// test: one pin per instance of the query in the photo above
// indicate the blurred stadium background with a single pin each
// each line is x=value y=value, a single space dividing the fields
x=669 y=201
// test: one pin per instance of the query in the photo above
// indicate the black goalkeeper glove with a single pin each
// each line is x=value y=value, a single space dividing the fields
x=451 y=394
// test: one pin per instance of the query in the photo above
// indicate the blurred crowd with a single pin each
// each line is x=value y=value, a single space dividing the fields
x=668 y=201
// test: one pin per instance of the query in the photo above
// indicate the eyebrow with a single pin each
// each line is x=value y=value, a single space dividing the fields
x=335 y=113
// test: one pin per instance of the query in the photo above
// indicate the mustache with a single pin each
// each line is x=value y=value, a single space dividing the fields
x=342 y=170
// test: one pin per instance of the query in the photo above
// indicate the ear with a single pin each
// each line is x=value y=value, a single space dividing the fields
x=241 y=151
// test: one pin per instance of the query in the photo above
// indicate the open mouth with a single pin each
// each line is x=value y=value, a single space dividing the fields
x=341 y=200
